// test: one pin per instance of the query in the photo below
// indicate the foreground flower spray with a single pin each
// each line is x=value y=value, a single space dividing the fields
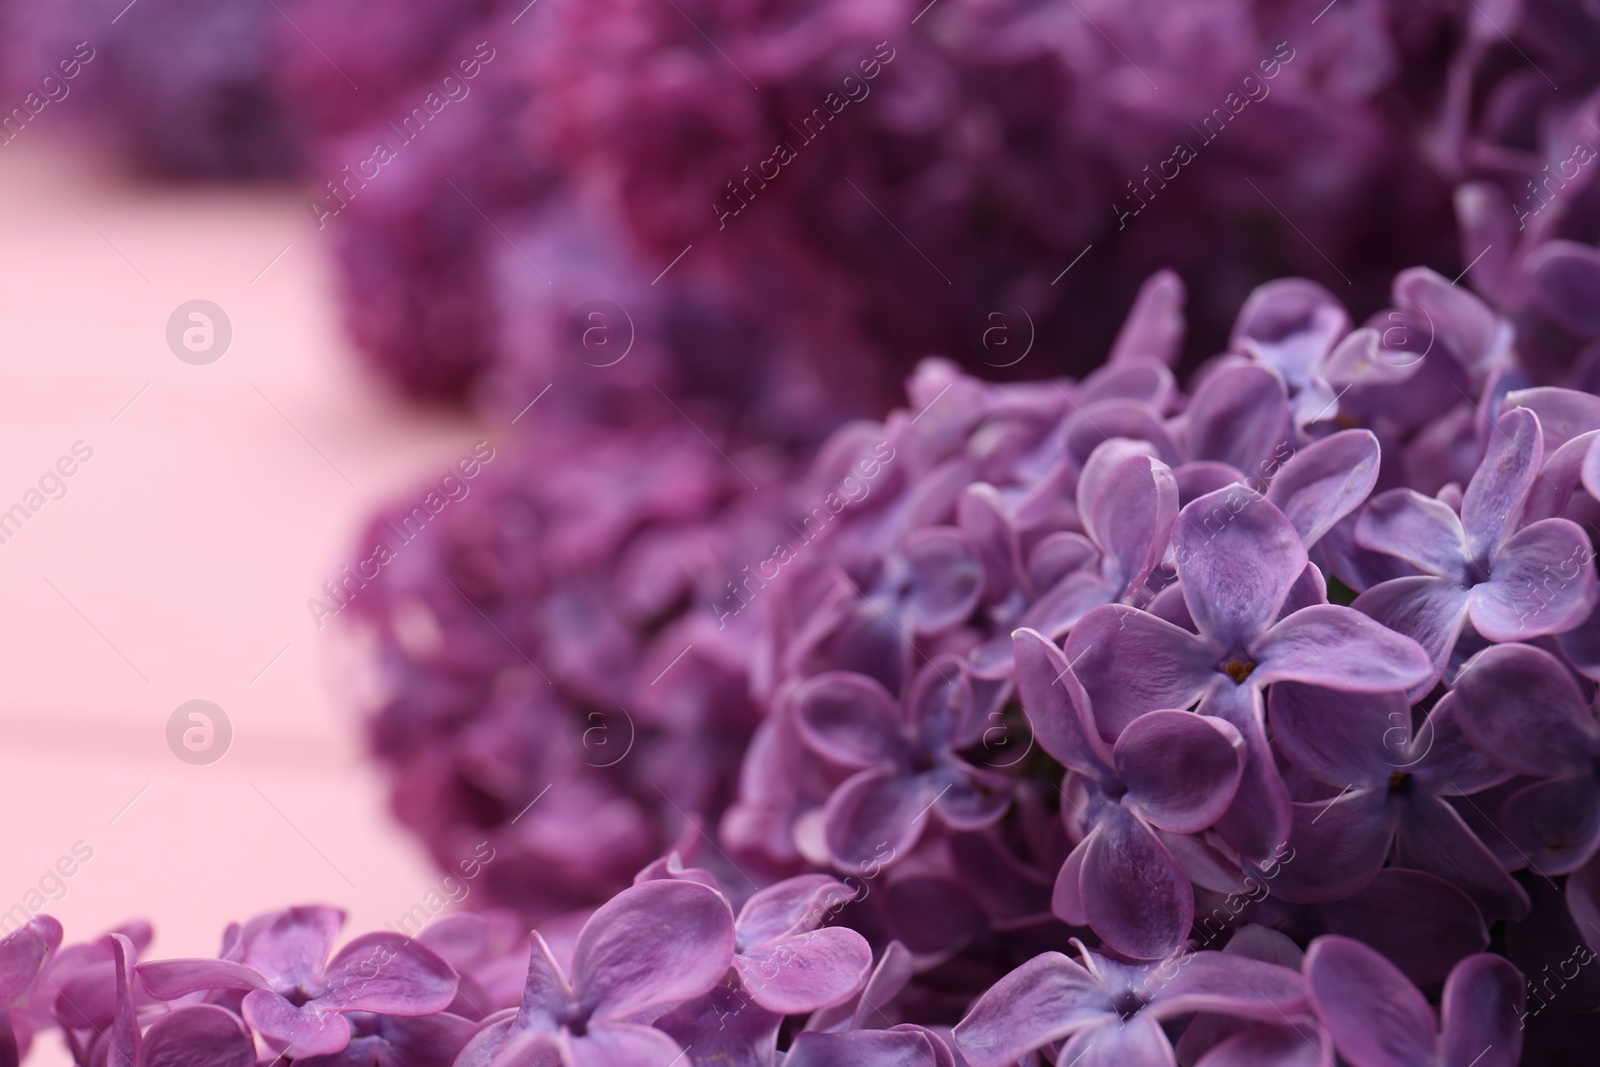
x=1113 y=724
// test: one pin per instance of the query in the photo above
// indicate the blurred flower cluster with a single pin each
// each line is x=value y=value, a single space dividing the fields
x=795 y=203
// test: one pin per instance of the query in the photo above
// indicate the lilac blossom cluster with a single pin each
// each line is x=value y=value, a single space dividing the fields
x=1521 y=136
x=793 y=206
x=1235 y=725
x=180 y=88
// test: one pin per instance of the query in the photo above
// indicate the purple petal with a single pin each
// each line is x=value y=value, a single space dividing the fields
x=1181 y=769
x=1521 y=708
x=171 y=979
x=875 y=812
x=1238 y=416
x=1135 y=895
x=390 y=974
x=1231 y=984
x=1421 y=923
x=1138 y=1042
x=1257 y=823
x=1341 y=738
x=1563 y=413
x=799 y=974
x=1058 y=555
x=1418 y=529
x=946 y=578
x=1066 y=899
x=724 y=1027
x=941 y=705
x=1289 y=323
x=1467 y=328
x=22 y=953
x=1431 y=837
x=1564 y=280
x=1481 y=1013
x=849 y=719
x=199 y=1034
x=1340 y=648
x=1555 y=824
x=1057 y=706
x=1200 y=477
x=1337 y=848
x=1278 y=1045
x=1044 y=1000
x=969 y=798
x=1131 y=662
x=308 y=1031
x=546 y=993
x=1060 y=607
x=1431 y=611
x=622 y=1045
x=1552 y=493
x=125 y=1045
x=1541 y=582
x=290 y=948
x=1154 y=327
x=900 y=1047
x=652 y=945
x=1362 y=359
x=1495 y=496
x=1325 y=481
x=792 y=906
x=1132 y=516
x=981 y=513
x=1374 y=1015
x=1443 y=757
x=1238 y=557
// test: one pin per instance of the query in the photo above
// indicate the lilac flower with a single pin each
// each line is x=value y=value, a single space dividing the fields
x=1128 y=504
x=23 y=954
x=898 y=1046
x=1241 y=564
x=788 y=962
x=649 y=949
x=1393 y=789
x=195 y=1033
x=1483 y=565
x=1169 y=771
x=1523 y=710
x=296 y=996
x=905 y=759
x=1378 y=1019
x=1110 y=1013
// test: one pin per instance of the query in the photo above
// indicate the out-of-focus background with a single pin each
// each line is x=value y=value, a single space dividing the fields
x=207 y=504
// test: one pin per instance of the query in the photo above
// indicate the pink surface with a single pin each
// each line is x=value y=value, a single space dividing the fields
x=178 y=562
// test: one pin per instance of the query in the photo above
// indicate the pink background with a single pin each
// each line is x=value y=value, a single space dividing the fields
x=191 y=541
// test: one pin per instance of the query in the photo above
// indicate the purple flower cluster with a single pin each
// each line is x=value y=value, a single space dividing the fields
x=1272 y=701
x=1521 y=135
x=791 y=206
x=543 y=688
x=181 y=88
